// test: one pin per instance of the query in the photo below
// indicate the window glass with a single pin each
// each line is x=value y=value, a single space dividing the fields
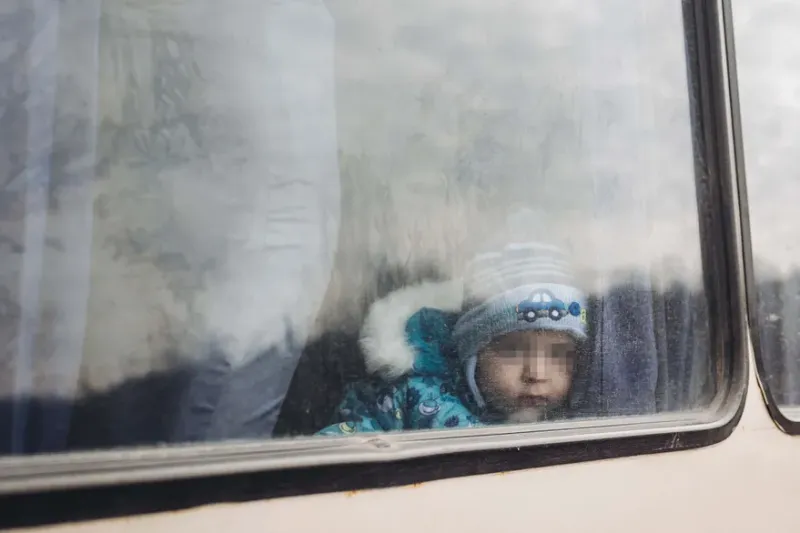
x=245 y=219
x=768 y=53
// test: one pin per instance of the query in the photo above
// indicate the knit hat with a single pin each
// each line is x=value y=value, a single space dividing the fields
x=523 y=286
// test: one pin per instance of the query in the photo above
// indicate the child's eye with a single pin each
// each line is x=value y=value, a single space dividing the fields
x=564 y=350
x=507 y=352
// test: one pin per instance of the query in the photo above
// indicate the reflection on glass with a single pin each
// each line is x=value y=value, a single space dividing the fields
x=767 y=53
x=247 y=220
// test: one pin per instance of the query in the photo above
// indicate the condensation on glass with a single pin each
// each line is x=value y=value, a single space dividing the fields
x=768 y=53
x=222 y=220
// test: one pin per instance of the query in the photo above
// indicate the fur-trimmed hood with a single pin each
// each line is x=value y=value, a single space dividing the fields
x=384 y=341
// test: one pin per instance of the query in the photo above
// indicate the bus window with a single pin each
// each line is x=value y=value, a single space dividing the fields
x=769 y=85
x=292 y=224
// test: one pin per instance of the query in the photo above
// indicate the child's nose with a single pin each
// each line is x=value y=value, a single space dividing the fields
x=534 y=369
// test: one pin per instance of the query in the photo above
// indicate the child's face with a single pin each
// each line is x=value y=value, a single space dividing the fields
x=522 y=374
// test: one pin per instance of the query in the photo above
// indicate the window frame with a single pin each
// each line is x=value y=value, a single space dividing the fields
x=83 y=485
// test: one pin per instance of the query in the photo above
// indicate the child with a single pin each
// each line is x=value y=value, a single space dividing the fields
x=505 y=353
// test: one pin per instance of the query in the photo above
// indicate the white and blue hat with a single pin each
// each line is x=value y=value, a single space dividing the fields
x=524 y=286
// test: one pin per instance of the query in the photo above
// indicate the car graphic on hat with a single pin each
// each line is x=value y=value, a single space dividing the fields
x=541 y=304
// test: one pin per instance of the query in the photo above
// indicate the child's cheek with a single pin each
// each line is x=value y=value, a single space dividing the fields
x=561 y=384
x=507 y=381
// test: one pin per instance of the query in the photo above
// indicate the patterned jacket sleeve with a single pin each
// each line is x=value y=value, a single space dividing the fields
x=416 y=403
x=369 y=407
x=432 y=404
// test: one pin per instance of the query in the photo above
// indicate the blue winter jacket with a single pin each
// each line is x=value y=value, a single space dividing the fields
x=433 y=394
